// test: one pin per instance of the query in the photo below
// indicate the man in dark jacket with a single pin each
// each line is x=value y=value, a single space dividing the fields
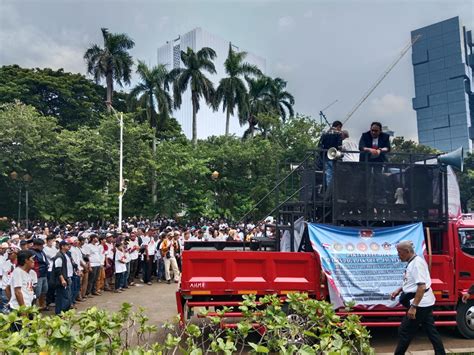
x=374 y=144
x=330 y=139
x=41 y=269
x=62 y=277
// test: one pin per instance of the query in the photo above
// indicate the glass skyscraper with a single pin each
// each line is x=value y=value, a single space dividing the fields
x=443 y=61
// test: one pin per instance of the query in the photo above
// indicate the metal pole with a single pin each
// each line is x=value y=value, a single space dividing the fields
x=120 y=174
x=26 y=208
x=19 y=206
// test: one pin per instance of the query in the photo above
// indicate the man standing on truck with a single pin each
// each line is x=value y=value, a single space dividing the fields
x=374 y=144
x=416 y=294
x=330 y=139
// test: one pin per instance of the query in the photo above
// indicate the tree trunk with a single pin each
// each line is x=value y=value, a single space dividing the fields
x=227 y=122
x=110 y=88
x=251 y=126
x=194 y=122
x=153 y=174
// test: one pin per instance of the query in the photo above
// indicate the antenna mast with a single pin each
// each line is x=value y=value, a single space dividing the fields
x=380 y=79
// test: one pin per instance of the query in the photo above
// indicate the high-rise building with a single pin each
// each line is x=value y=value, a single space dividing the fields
x=208 y=122
x=443 y=61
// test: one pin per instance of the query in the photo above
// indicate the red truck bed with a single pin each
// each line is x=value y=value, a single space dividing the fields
x=244 y=272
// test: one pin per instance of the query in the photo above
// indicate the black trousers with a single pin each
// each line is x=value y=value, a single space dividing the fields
x=147 y=267
x=93 y=275
x=133 y=270
x=409 y=327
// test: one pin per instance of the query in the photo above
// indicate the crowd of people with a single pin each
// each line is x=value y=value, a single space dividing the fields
x=59 y=264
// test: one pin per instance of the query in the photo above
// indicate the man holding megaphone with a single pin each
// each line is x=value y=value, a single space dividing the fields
x=374 y=144
x=330 y=139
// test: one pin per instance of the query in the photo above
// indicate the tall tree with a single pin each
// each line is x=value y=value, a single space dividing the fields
x=112 y=62
x=71 y=98
x=231 y=90
x=151 y=92
x=195 y=63
x=256 y=102
x=280 y=99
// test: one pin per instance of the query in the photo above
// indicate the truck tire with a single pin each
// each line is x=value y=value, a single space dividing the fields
x=465 y=319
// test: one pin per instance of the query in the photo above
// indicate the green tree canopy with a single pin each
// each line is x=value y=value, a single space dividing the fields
x=71 y=98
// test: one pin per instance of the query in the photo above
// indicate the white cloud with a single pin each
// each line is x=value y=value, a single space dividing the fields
x=28 y=46
x=389 y=105
x=286 y=22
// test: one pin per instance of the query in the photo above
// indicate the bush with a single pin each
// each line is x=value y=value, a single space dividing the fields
x=301 y=325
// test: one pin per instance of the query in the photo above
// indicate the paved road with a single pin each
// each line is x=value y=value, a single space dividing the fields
x=159 y=301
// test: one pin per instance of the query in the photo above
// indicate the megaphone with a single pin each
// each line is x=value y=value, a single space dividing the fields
x=454 y=158
x=334 y=154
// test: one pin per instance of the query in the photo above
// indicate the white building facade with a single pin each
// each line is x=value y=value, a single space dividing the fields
x=209 y=122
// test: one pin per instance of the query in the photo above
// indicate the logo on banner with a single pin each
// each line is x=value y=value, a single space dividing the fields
x=338 y=246
x=362 y=247
x=386 y=246
x=366 y=233
x=350 y=247
x=374 y=246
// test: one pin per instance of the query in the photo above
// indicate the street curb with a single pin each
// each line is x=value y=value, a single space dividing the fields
x=463 y=351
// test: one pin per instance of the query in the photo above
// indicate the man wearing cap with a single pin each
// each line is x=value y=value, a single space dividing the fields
x=76 y=256
x=23 y=280
x=50 y=251
x=41 y=269
x=133 y=249
x=4 y=248
x=92 y=251
x=62 y=275
x=169 y=248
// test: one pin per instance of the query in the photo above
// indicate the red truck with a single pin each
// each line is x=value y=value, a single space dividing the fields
x=216 y=278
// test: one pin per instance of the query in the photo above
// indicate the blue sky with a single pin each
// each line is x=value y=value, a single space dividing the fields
x=326 y=50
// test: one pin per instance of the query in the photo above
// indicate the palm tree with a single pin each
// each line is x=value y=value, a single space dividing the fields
x=280 y=99
x=231 y=90
x=257 y=102
x=151 y=92
x=192 y=75
x=113 y=62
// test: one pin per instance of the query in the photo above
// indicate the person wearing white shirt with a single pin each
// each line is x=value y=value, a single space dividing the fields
x=149 y=257
x=133 y=249
x=50 y=250
x=92 y=250
x=76 y=256
x=6 y=275
x=349 y=146
x=23 y=281
x=120 y=267
x=416 y=294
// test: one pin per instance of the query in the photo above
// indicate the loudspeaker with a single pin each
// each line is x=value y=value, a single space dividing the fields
x=454 y=158
x=334 y=154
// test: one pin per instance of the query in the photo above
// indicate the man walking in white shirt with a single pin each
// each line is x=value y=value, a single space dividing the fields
x=416 y=294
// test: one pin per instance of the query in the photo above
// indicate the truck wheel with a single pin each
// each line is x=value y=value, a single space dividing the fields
x=465 y=319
